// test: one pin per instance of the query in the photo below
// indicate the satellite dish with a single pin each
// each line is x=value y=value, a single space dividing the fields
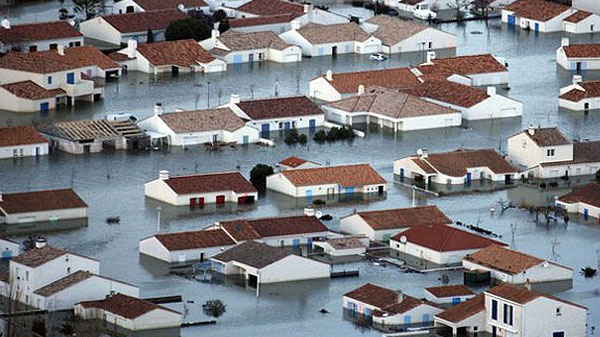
x=419 y=152
x=545 y=264
x=403 y=239
x=181 y=7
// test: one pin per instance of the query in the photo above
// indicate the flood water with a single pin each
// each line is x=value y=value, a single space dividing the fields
x=111 y=183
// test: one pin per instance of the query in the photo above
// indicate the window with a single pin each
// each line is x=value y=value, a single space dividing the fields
x=15 y=153
x=550 y=152
x=33 y=48
x=430 y=45
x=26 y=275
x=558 y=311
x=49 y=79
x=494 y=310
x=508 y=314
x=53 y=46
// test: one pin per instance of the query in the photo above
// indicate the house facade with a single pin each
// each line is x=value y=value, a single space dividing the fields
x=135 y=6
x=449 y=294
x=584 y=200
x=22 y=141
x=536 y=15
x=37 y=36
x=578 y=57
x=41 y=206
x=581 y=95
x=186 y=246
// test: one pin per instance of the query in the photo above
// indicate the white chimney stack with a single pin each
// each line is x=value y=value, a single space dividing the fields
x=60 y=49
x=564 y=42
x=577 y=79
x=1 y=199
x=308 y=211
x=329 y=75
x=234 y=99
x=422 y=153
x=158 y=109
x=531 y=130
x=40 y=243
x=491 y=91
x=5 y=23
x=306 y=8
x=131 y=48
x=400 y=294
x=163 y=175
x=295 y=24
x=430 y=57
x=361 y=89
x=215 y=33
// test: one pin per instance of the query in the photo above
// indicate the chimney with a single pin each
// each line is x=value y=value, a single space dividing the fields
x=217 y=224
x=131 y=48
x=5 y=23
x=60 y=49
x=295 y=24
x=163 y=175
x=158 y=109
x=531 y=130
x=308 y=211
x=430 y=57
x=361 y=89
x=306 y=8
x=40 y=242
x=215 y=33
x=234 y=99
x=564 y=42
x=1 y=199
x=422 y=153
x=400 y=295
x=491 y=91
x=329 y=75
x=577 y=79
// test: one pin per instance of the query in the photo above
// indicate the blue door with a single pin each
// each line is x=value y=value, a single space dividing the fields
x=456 y=300
x=350 y=190
x=312 y=124
x=245 y=139
x=537 y=27
x=468 y=178
x=44 y=107
x=351 y=306
x=309 y=196
x=296 y=243
x=69 y=100
x=426 y=318
x=511 y=20
x=7 y=254
x=70 y=78
x=238 y=58
x=264 y=130
x=401 y=173
x=367 y=312
x=586 y=213
x=287 y=126
x=407 y=320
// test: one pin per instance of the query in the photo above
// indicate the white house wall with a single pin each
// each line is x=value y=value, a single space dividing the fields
x=51 y=215
x=572 y=319
x=420 y=41
x=553 y=25
x=592 y=103
x=159 y=190
x=536 y=274
x=414 y=315
x=97 y=28
x=41 y=45
x=298 y=122
x=525 y=153
x=294 y=268
x=449 y=257
x=24 y=150
x=321 y=89
x=579 y=207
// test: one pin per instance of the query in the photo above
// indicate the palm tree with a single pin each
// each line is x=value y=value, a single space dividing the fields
x=87 y=7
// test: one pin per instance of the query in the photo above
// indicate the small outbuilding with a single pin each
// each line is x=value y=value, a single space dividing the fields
x=578 y=57
x=22 y=141
x=583 y=200
x=581 y=95
x=449 y=294
x=38 y=206
x=293 y=162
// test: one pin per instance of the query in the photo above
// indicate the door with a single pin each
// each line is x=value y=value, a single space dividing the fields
x=407 y=320
x=200 y=202
x=468 y=178
x=251 y=57
x=69 y=100
x=287 y=126
x=586 y=106
x=380 y=190
x=252 y=281
x=220 y=199
x=456 y=300
x=586 y=213
x=202 y=257
x=334 y=50
x=192 y=202
x=241 y=200
x=264 y=130
x=511 y=20
x=537 y=27
x=350 y=190
x=309 y=196
x=174 y=70
x=245 y=140
x=296 y=243
x=426 y=318
x=44 y=107
x=312 y=124
x=238 y=58
x=70 y=78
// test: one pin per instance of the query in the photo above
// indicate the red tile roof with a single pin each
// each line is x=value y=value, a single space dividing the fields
x=39 y=256
x=547 y=137
x=345 y=175
x=125 y=306
x=578 y=16
x=30 y=90
x=463 y=65
x=522 y=295
x=464 y=310
x=203 y=120
x=194 y=239
x=591 y=90
x=504 y=259
x=83 y=56
x=34 y=63
x=450 y=92
x=583 y=50
x=394 y=78
x=38 y=32
x=294 y=161
x=262 y=20
x=254 y=254
x=20 y=135
x=143 y=21
x=340 y=32
x=539 y=10
x=152 y=5
x=450 y=291
x=456 y=163
x=40 y=201
x=280 y=107
x=210 y=182
x=442 y=238
x=271 y=7
x=183 y=53
x=588 y=194
x=374 y=295
x=248 y=229
x=404 y=217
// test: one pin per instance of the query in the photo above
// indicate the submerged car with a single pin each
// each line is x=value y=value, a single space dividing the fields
x=423 y=12
x=377 y=57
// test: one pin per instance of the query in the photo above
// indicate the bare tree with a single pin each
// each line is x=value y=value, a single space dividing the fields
x=458 y=6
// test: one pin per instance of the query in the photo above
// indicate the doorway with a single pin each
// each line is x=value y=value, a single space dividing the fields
x=334 y=50
x=252 y=281
x=380 y=190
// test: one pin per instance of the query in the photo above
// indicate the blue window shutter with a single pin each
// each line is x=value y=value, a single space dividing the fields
x=494 y=309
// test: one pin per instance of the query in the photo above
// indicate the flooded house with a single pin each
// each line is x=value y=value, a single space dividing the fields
x=449 y=294
x=579 y=56
x=584 y=200
x=199 y=189
x=293 y=162
x=581 y=95
x=31 y=37
x=41 y=206
x=22 y=141
x=135 y=6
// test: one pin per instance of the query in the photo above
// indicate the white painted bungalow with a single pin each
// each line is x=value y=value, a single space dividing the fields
x=320 y=40
x=472 y=70
x=293 y=162
x=466 y=317
x=405 y=36
x=383 y=224
x=389 y=307
x=118 y=29
x=515 y=267
x=583 y=200
x=260 y=263
x=135 y=6
x=330 y=180
x=184 y=128
x=546 y=153
x=199 y=189
x=278 y=113
x=186 y=246
x=578 y=57
x=455 y=167
x=580 y=96
x=40 y=36
x=395 y=110
x=537 y=15
x=449 y=294
x=95 y=63
x=22 y=141
x=581 y=22
x=41 y=206
x=236 y=47
x=440 y=244
x=131 y=313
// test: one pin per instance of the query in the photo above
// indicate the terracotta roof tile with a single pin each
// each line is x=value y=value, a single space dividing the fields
x=504 y=259
x=539 y=10
x=125 y=306
x=183 y=53
x=40 y=201
x=578 y=16
x=30 y=90
x=407 y=303
x=271 y=7
x=463 y=65
x=262 y=20
x=64 y=283
x=589 y=50
x=464 y=310
x=210 y=182
x=203 y=120
x=588 y=194
x=152 y=5
x=39 y=256
x=393 y=30
x=194 y=239
x=522 y=295
x=393 y=78
x=456 y=163
x=404 y=217
x=34 y=63
x=340 y=32
x=20 y=135
x=374 y=295
x=280 y=107
x=450 y=291
x=143 y=21
x=294 y=161
x=248 y=229
x=38 y=32
x=235 y=41
x=253 y=254
x=548 y=137
x=83 y=56
x=442 y=238
x=591 y=90
x=450 y=92
x=344 y=175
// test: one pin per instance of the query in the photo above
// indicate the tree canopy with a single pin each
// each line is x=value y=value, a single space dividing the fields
x=188 y=28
